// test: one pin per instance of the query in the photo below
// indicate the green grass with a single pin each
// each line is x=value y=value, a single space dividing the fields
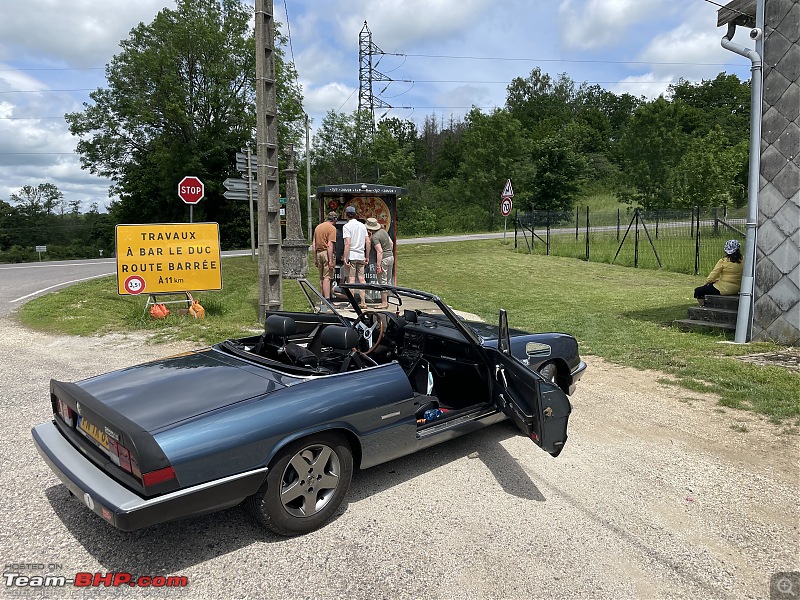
x=621 y=314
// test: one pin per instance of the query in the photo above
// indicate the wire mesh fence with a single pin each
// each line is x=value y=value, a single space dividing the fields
x=685 y=241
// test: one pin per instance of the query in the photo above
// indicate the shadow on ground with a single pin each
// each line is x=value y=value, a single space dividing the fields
x=181 y=544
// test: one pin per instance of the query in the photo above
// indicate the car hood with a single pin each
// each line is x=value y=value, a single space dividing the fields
x=159 y=393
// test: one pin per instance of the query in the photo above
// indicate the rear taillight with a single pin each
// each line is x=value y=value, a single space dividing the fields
x=66 y=414
x=123 y=458
x=154 y=477
x=120 y=455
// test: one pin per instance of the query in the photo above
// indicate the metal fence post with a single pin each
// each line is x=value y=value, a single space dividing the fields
x=547 y=243
x=657 y=220
x=697 y=245
x=516 y=218
x=716 y=220
x=587 y=234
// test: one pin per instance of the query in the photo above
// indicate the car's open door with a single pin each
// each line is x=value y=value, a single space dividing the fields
x=540 y=409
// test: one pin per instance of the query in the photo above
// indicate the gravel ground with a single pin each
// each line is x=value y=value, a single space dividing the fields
x=659 y=493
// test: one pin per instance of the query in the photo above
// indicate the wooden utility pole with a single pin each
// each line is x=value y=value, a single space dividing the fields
x=270 y=284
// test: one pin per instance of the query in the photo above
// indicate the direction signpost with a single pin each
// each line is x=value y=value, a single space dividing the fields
x=245 y=188
x=191 y=190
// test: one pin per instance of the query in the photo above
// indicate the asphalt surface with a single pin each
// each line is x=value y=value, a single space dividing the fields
x=24 y=281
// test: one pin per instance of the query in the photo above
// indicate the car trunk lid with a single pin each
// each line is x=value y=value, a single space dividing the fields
x=162 y=392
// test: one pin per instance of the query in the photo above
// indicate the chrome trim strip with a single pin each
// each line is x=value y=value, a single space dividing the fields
x=191 y=490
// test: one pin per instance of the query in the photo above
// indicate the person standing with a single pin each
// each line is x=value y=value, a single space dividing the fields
x=726 y=277
x=356 y=250
x=384 y=252
x=324 y=240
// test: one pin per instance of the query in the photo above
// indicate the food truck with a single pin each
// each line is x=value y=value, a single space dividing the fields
x=370 y=200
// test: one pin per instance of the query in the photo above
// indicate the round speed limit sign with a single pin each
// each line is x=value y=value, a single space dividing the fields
x=134 y=284
x=505 y=207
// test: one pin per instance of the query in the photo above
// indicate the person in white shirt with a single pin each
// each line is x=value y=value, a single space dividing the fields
x=356 y=250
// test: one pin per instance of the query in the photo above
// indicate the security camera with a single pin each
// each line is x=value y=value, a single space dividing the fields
x=756 y=33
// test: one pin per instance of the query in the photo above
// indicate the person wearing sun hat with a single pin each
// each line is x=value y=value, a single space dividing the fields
x=726 y=277
x=384 y=251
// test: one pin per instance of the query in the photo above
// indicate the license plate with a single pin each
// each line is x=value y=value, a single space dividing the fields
x=93 y=432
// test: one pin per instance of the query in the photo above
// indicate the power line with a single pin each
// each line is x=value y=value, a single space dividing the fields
x=507 y=82
x=48 y=90
x=729 y=8
x=55 y=69
x=564 y=60
x=288 y=30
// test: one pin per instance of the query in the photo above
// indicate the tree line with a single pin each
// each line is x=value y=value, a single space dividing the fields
x=559 y=142
x=180 y=98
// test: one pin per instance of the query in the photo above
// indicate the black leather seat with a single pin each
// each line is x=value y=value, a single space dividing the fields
x=342 y=342
x=274 y=343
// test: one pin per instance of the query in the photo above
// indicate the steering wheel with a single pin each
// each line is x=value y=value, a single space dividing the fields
x=366 y=324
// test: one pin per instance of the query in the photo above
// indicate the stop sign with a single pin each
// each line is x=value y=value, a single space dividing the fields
x=191 y=190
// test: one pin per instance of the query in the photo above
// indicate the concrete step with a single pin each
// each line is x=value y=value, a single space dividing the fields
x=726 y=302
x=690 y=324
x=715 y=315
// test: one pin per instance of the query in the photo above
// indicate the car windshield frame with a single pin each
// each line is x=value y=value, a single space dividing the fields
x=423 y=303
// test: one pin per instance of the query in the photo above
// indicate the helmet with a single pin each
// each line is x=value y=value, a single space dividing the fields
x=731 y=246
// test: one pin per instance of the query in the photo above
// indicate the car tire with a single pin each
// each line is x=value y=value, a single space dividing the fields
x=289 y=503
x=549 y=371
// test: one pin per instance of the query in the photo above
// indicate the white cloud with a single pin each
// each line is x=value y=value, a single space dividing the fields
x=400 y=24
x=695 y=45
x=591 y=24
x=332 y=96
x=650 y=85
x=78 y=32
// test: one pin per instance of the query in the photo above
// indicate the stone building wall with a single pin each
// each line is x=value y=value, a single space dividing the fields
x=777 y=278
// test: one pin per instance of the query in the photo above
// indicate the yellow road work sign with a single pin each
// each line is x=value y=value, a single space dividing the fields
x=168 y=257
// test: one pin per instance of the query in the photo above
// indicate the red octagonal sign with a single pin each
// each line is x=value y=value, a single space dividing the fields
x=191 y=190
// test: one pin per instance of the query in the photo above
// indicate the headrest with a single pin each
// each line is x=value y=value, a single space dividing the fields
x=339 y=337
x=279 y=325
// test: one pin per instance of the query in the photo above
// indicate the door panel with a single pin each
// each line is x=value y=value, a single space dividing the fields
x=538 y=408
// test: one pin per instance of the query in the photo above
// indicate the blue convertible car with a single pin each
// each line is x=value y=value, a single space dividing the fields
x=282 y=419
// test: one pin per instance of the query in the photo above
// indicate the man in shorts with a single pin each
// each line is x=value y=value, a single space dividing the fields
x=356 y=250
x=384 y=252
x=324 y=240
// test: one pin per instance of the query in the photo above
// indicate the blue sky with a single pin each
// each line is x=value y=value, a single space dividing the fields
x=444 y=55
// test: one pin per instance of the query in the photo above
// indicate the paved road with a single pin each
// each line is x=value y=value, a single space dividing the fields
x=21 y=282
